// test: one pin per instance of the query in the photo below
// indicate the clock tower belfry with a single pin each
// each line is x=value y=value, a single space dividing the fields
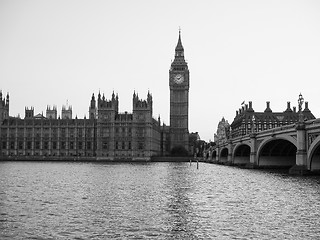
x=179 y=99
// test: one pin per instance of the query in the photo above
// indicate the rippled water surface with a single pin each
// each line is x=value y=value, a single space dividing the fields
x=52 y=200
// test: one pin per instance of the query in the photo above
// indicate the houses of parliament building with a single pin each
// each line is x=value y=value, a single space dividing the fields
x=106 y=134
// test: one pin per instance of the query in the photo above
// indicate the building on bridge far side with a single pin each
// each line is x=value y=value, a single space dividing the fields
x=247 y=120
x=223 y=132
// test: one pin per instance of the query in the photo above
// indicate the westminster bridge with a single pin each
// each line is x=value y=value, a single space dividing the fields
x=294 y=146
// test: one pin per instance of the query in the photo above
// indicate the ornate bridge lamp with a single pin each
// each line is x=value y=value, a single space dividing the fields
x=253 y=127
x=253 y=140
x=300 y=102
x=301 y=154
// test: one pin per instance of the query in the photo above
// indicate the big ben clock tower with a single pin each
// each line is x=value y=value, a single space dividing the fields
x=179 y=99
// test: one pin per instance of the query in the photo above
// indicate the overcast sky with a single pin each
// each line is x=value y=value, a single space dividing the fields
x=52 y=52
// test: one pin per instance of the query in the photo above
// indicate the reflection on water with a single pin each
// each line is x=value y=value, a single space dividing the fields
x=52 y=200
x=179 y=205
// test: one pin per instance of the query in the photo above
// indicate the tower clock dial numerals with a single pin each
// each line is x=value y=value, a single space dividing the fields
x=178 y=79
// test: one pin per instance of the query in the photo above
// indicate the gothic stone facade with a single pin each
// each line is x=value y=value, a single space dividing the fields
x=133 y=135
x=106 y=135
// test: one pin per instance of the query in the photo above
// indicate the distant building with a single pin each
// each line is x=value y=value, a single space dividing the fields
x=223 y=131
x=247 y=120
x=194 y=139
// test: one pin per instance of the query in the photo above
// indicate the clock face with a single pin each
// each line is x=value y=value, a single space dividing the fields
x=178 y=79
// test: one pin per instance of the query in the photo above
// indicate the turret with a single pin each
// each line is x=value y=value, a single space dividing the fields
x=142 y=107
x=112 y=104
x=29 y=113
x=93 y=101
x=107 y=109
x=149 y=97
x=99 y=96
x=7 y=100
x=51 y=113
x=92 y=108
x=117 y=102
x=4 y=107
x=149 y=100
x=66 y=112
x=139 y=104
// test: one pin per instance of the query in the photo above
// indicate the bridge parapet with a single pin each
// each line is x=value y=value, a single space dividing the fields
x=313 y=124
x=261 y=134
x=277 y=130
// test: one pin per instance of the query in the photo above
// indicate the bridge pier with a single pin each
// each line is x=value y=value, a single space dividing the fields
x=229 y=159
x=217 y=154
x=253 y=152
x=301 y=167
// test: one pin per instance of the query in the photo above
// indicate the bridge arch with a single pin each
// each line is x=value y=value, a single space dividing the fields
x=277 y=152
x=241 y=154
x=224 y=155
x=314 y=155
x=214 y=155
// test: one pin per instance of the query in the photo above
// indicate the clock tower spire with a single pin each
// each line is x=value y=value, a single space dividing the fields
x=179 y=52
x=179 y=101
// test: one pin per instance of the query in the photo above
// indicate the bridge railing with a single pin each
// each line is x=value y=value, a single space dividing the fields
x=277 y=129
x=267 y=131
x=239 y=138
x=313 y=122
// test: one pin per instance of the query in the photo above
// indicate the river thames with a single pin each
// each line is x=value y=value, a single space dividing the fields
x=67 y=200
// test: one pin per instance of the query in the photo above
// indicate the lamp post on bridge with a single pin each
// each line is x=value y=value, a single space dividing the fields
x=253 y=127
x=300 y=102
x=253 y=148
x=300 y=167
